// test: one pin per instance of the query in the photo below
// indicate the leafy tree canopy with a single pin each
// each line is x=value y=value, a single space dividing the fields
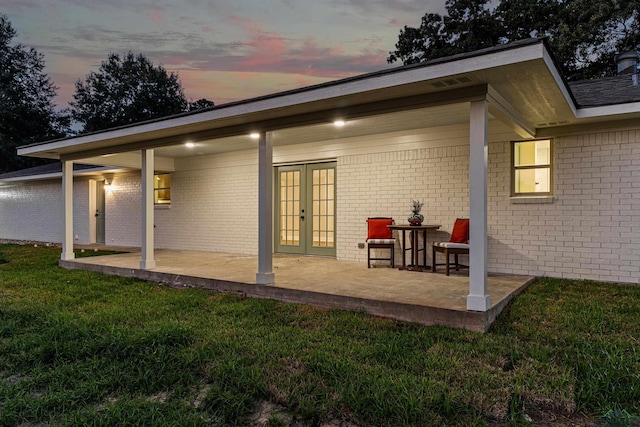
x=27 y=110
x=200 y=104
x=584 y=35
x=128 y=89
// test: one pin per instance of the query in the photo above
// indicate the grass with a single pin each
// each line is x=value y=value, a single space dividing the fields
x=80 y=348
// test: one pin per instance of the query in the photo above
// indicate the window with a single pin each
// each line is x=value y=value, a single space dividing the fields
x=162 y=189
x=532 y=173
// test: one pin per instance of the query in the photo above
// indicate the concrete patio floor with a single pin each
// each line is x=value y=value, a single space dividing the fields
x=421 y=297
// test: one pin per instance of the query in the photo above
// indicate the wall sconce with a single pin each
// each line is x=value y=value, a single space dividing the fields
x=108 y=180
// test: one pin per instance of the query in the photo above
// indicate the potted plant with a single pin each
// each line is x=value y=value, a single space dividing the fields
x=416 y=217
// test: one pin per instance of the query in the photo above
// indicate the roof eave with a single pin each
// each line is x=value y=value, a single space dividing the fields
x=384 y=83
x=58 y=175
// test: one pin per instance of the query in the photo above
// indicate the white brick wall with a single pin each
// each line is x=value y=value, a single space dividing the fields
x=122 y=211
x=212 y=209
x=384 y=184
x=590 y=231
x=33 y=210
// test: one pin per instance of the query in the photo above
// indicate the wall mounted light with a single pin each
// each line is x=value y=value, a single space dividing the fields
x=108 y=180
x=190 y=144
x=338 y=123
x=254 y=135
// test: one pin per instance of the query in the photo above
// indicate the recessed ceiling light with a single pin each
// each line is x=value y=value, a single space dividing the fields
x=255 y=135
x=190 y=144
x=339 y=123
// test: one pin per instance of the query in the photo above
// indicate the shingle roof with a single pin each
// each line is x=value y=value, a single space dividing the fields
x=606 y=91
x=44 y=170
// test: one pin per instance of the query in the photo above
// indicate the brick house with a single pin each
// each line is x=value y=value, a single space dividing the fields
x=547 y=171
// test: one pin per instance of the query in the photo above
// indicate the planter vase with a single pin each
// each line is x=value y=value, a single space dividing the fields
x=415 y=219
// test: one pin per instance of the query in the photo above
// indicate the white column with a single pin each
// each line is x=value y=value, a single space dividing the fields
x=265 y=275
x=67 y=197
x=147 y=262
x=478 y=299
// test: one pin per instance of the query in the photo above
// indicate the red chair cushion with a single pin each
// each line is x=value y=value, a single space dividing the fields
x=460 y=233
x=378 y=229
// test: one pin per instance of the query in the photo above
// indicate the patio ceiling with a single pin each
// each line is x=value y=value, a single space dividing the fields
x=456 y=114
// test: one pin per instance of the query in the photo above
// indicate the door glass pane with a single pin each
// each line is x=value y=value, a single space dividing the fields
x=323 y=213
x=290 y=207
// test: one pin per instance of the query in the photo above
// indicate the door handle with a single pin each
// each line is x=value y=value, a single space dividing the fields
x=302 y=217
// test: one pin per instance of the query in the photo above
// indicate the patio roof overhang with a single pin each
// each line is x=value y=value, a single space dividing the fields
x=520 y=81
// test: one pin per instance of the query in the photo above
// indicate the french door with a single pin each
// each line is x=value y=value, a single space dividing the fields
x=306 y=209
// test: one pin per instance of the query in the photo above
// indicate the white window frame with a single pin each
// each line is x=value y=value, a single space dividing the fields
x=515 y=168
x=156 y=189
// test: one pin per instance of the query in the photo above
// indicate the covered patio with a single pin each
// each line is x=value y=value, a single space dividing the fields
x=421 y=297
x=420 y=131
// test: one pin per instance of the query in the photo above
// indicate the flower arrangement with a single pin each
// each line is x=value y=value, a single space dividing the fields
x=416 y=205
x=416 y=217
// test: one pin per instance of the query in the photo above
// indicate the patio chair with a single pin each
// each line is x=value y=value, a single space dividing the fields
x=457 y=245
x=379 y=236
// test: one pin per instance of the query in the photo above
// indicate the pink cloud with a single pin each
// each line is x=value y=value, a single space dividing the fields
x=156 y=16
x=271 y=52
x=263 y=46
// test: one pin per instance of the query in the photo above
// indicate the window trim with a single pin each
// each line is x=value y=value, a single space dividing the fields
x=549 y=166
x=156 y=189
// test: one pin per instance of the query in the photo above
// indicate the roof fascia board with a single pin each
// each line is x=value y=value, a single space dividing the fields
x=373 y=83
x=54 y=175
x=584 y=128
x=501 y=109
x=609 y=110
x=466 y=94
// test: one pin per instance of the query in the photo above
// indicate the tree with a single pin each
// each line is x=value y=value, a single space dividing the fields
x=584 y=34
x=600 y=30
x=128 y=89
x=200 y=104
x=27 y=111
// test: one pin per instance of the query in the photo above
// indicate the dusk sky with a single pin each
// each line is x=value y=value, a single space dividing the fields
x=223 y=50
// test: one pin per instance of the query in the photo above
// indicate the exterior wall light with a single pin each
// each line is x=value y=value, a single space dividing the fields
x=339 y=123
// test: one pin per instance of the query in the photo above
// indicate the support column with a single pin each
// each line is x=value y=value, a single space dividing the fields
x=478 y=299
x=265 y=275
x=67 y=197
x=147 y=262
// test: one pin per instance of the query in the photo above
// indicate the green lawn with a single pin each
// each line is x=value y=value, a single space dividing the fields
x=80 y=348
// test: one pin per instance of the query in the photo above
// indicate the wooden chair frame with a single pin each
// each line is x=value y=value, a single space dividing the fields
x=447 y=252
x=390 y=246
x=455 y=250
